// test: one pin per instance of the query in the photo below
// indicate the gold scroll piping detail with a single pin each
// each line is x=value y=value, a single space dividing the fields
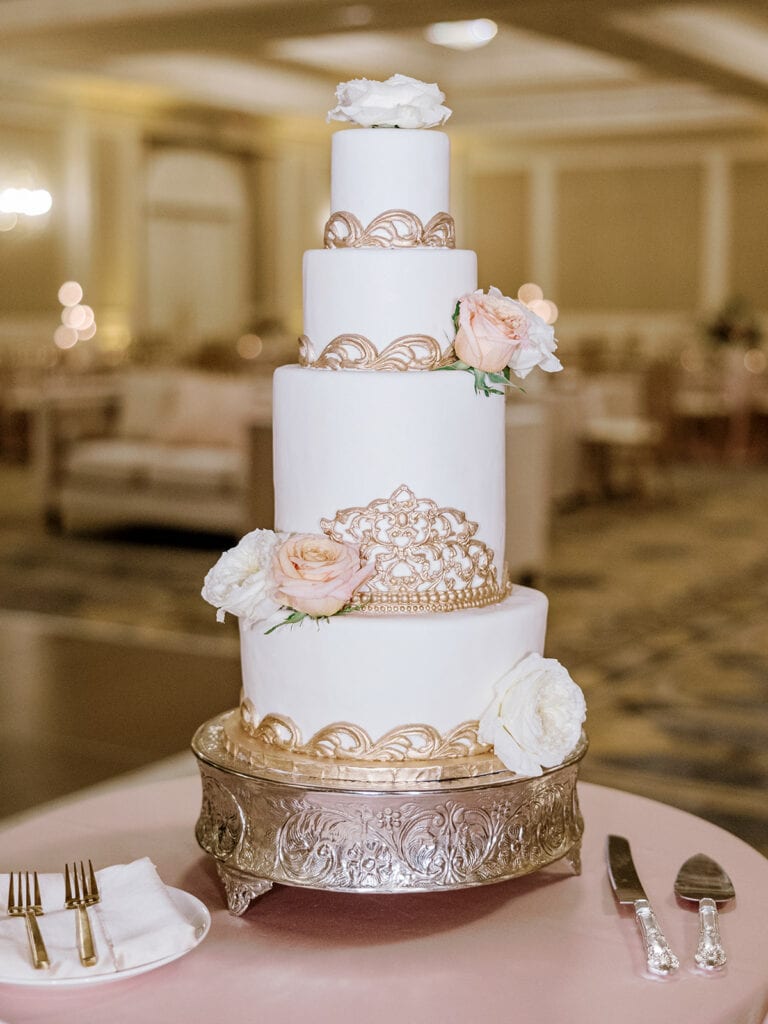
x=417 y=742
x=393 y=229
x=426 y=558
x=354 y=352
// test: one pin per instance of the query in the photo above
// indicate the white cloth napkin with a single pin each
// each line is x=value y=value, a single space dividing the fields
x=135 y=923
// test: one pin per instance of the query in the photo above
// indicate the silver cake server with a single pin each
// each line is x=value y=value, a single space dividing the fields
x=627 y=889
x=702 y=879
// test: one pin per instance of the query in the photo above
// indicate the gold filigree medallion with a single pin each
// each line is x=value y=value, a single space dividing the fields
x=355 y=352
x=426 y=558
x=393 y=229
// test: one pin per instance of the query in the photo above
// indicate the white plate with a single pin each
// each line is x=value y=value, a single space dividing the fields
x=196 y=914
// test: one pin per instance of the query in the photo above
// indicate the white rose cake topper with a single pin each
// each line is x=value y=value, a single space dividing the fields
x=534 y=719
x=400 y=102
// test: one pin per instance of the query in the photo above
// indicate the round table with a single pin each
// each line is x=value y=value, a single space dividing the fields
x=550 y=948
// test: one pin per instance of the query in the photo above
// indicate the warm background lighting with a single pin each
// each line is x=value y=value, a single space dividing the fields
x=78 y=321
x=65 y=337
x=755 y=360
x=249 y=346
x=532 y=296
x=70 y=293
x=461 y=35
x=26 y=201
x=529 y=293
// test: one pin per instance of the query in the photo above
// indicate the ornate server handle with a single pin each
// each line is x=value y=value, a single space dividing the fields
x=661 y=959
x=710 y=953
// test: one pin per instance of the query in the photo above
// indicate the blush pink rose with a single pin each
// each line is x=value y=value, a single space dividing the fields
x=483 y=339
x=496 y=331
x=316 y=575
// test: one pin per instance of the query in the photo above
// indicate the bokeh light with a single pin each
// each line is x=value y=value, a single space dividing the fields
x=70 y=293
x=75 y=316
x=462 y=35
x=249 y=346
x=65 y=337
x=529 y=292
x=27 y=201
x=755 y=360
x=86 y=333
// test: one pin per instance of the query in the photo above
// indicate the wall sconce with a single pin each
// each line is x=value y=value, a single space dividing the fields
x=22 y=202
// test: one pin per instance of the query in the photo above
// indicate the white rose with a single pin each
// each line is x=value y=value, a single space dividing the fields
x=400 y=102
x=534 y=720
x=240 y=583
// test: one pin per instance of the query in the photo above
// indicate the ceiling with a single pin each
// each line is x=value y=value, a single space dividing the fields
x=556 y=67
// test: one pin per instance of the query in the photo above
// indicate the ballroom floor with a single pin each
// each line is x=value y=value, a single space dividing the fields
x=109 y=659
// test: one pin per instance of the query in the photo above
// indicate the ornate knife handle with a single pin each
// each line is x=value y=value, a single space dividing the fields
x=660 y=958
x=710 y=953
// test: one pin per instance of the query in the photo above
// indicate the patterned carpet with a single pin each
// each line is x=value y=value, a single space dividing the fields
x=659 y=609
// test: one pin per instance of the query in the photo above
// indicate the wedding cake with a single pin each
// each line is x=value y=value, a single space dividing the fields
x=377 y=623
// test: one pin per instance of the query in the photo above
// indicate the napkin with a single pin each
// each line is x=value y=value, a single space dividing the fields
x=135 y=923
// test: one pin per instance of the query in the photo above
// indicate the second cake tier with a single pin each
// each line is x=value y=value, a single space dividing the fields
x=383 y=298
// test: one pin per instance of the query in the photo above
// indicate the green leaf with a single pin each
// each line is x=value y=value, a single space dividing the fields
x=290 y=620
x=349 y=608
x=296 y=617
x=455 y=317
x=458 y=365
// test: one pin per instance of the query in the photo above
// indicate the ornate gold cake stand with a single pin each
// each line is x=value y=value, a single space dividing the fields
x=264 y=825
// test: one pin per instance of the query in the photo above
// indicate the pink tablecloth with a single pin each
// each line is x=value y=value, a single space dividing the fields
x=548 y=949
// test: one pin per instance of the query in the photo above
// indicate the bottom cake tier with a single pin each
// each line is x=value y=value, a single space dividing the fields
x=377 y=688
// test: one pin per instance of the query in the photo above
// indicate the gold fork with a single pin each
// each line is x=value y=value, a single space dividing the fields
x=79 y=894
x=30 y=910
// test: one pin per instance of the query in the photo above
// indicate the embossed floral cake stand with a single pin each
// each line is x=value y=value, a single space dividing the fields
x=264 y=825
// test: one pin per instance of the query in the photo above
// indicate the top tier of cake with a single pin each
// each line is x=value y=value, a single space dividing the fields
x=374 y=170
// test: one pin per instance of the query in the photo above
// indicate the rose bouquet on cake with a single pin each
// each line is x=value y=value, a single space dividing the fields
x=497 y=336
x=306 y=575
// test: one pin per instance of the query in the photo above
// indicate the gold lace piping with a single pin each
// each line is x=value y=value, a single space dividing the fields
x=355 y=352
x=351 y=742
x=426 y=558
x=393 y=229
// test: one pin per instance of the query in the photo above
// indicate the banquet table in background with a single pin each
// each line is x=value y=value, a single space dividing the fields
x=547 y=949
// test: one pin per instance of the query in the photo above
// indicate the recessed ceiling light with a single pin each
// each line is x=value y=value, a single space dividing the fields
x=461 y=35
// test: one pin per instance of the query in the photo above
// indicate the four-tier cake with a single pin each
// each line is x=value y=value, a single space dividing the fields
x=379 y=631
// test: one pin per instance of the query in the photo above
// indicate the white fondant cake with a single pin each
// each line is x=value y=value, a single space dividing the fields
x=383 y=672
x=379 y=169
x=389 y=493
x=343 y=439
x=384 y=294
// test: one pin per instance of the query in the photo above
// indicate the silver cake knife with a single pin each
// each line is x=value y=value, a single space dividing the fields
x=628 y=889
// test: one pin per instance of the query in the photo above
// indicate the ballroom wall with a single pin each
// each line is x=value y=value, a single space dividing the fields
x=641 y=237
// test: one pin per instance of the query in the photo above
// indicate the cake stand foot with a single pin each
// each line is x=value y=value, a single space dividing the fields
x=573 y=857
x=240 y=888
